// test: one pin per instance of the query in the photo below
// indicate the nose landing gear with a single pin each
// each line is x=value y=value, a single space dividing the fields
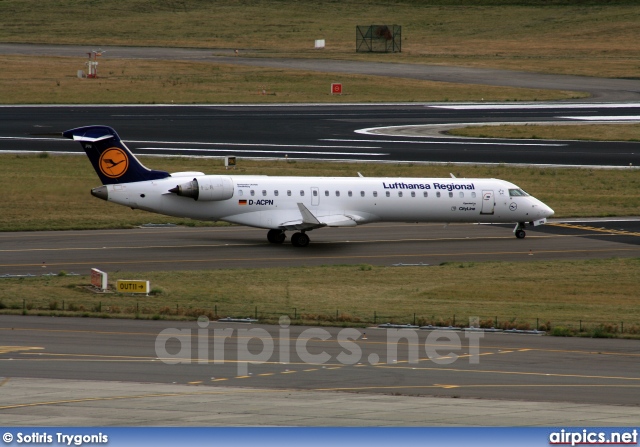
x=519 y=230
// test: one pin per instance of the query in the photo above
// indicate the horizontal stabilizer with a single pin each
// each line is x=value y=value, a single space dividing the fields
x=91 y=133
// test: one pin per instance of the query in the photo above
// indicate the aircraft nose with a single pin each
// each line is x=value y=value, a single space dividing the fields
x=546 y=210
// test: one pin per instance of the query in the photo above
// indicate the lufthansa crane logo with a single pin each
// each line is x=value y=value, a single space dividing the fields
x=114 y=162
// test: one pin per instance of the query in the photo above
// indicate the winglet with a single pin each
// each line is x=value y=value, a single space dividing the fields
x=307 y=216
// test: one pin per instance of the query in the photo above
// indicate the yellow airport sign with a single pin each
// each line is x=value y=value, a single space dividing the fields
x=132 y=286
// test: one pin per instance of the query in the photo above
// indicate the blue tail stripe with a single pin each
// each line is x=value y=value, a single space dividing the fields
x=111 y=158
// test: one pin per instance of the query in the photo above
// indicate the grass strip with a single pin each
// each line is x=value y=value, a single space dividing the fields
x=593 y=132
x=543 y=294
x=53 y=80
x=589 y=37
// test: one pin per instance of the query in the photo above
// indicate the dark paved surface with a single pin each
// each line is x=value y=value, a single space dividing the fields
x=502 y=366
x=377 y=244
x=326 y=132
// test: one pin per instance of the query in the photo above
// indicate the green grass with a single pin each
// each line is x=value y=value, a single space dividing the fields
x=587 y=38
x=592 y=38
x=593 y=132
x=542 y=293
x=58 y=193
x=53 y=80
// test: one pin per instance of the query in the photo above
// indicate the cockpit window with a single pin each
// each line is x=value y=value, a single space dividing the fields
x=517 y=192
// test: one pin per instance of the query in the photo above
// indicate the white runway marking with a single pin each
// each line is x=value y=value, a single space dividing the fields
x=447 y=142
x=535 y=106
x=261 y=151
x=295 y=146
x=602 y=118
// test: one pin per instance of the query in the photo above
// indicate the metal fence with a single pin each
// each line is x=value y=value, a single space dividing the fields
x=159 y=309
x=379 y=39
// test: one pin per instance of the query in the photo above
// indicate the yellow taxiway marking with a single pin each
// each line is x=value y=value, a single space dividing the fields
x=197 y=382
x=599 y=230
x=243 y=377
x=364 y=342
x=8 y=349
x=385 y=256
x=200 y=392
x=266 y=374
x=139 y=231
x=287 y=372
x=416 y=387
x=3 y=381
x=515 y=373
x=218 y=380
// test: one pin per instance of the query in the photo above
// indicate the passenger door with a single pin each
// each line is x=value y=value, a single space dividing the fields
x=488 y=202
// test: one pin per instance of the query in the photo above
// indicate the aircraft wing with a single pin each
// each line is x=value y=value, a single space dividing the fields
x=310 y=222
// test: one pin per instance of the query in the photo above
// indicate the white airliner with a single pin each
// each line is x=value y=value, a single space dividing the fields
x=301 y=204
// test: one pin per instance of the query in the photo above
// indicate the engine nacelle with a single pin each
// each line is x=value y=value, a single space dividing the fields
x=207 y=188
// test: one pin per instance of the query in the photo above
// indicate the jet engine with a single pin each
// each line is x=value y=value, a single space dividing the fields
x=207 y=188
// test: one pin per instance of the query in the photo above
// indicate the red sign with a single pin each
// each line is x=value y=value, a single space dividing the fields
x=336 y=89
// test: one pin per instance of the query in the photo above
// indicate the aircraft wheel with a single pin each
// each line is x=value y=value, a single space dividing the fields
x=276 y=236
x=300 y=240
x=520 y=234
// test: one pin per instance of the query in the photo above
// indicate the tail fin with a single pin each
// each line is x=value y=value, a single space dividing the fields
x=112 y=160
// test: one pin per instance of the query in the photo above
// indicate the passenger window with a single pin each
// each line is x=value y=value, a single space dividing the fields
x=399 y=193
x=302 y=192
x=375 y=193
x=438 y=194
x=240 y=192
x=426 y=194
x=253 y=193
x=450 y=194
x=337 y=193
x=326 y=193
x=413 y=193
x=388 y=194
x=473 y=195
x=288 y=192
x=461 y=194
x=275 y=193
x=315 y=193
x=264 y=192
x=350 y=194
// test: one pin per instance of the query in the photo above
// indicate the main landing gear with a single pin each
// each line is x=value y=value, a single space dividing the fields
x=276 y=236
x=297 y=239
x=519 y=230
